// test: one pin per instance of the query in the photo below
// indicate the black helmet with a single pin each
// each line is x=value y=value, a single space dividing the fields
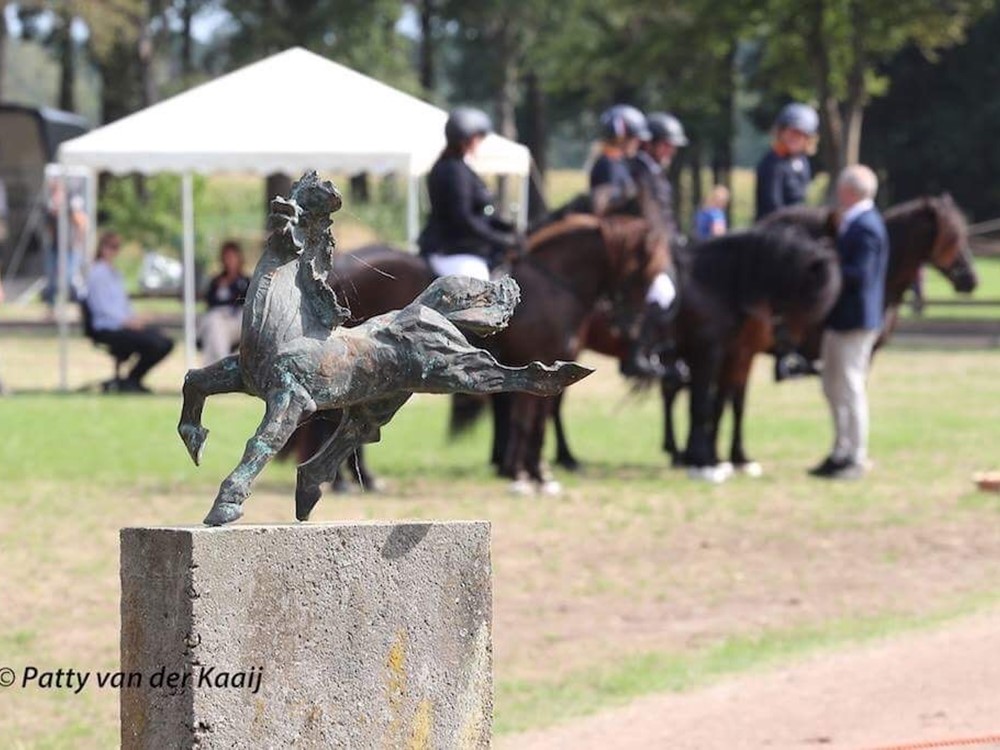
x=666 y=127
x=465 y=123
x=624 y=121
x=799 y=116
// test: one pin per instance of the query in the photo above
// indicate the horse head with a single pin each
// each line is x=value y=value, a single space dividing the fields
x=807 y=275
x=304 y=217
x=950 y=254
x=638 y=252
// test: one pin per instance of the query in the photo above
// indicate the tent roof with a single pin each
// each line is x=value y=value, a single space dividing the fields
x=288 y=113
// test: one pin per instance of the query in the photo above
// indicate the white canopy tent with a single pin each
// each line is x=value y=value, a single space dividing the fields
x=288 y=113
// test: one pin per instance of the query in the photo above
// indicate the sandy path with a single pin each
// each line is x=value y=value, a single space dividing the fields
x=918 y=688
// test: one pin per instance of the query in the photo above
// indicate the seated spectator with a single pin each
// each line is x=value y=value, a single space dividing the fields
x=222 y=323
x=115 y=323
x=710 y=221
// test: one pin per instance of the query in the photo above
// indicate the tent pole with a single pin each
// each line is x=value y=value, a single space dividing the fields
x=187 y=211
x=91 y=250
x=522 y=209
x=62 y=288
x=412 y=210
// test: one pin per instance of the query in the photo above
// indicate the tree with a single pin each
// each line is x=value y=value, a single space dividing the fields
x=935 y=129
x=829 y=51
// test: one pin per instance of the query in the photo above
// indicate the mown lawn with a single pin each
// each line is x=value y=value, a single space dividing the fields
x=634 y=580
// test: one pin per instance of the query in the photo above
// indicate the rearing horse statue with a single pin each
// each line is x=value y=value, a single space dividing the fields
x=297 y=357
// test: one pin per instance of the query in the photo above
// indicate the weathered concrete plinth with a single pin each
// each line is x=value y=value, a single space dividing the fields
x=360 y=636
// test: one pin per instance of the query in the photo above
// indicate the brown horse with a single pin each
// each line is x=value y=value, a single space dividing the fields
x=570 y=266
x=929 y=230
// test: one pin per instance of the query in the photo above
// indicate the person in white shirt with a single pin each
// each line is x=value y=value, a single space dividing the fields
x=113 y=320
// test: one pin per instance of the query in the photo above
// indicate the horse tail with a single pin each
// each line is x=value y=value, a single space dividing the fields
x=466 y=409
x=472 y=305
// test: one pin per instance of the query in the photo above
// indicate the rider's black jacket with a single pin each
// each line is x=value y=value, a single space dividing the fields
x=459 y=220
x=781 y=181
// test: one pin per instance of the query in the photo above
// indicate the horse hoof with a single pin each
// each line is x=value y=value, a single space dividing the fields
x=711 y=474
x=305 y=501
x=194 y=440
x=569 y=463
x=751 y=469
x=223 y=513
x=726 y=469
x=521 y=488
x=550 y=488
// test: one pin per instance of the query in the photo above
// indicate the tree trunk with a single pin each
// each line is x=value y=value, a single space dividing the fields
x=67 y=62
x=831 y=125
x=3 y=48
x=696 y=187
x=536 y=137
x=187 y=41
x=856 y=94
x=427 y=46
x=505 y=101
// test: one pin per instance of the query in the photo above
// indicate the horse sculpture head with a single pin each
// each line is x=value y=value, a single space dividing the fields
x=304 y=217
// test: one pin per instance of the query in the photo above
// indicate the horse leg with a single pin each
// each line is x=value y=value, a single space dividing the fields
x=285 y=409
x=359 y=424
x=668 y=391
x=221 y=377
x=519 y=431
x=536 y=464
x=705 y=368
x=501 y=428
x=564 y=456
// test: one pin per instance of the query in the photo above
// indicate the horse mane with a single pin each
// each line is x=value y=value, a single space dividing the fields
x=769 y=262
x=951 y=226
x=571 y=223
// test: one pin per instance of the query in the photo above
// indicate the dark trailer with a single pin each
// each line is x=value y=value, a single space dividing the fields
x=29 y=139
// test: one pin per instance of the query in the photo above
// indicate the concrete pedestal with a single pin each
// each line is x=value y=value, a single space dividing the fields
x=313 y=636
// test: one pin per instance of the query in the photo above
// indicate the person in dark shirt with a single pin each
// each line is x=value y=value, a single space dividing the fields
x=612 y=184
x=462 y=235
x=783 y=178
x=223 y=321
x=783 y=175
x=652 y=162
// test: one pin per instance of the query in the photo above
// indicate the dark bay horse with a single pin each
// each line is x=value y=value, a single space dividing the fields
x=570 y=266
x=929 y=230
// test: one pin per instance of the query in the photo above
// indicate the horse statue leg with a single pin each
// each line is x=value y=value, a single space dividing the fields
x=285 y=409
x=359 y=424
x=223 y=376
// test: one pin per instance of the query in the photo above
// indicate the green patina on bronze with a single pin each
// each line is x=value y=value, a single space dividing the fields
x=297 y=357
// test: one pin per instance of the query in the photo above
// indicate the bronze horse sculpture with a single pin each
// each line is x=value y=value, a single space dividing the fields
x=569 y=267
x=928 y=230
x=296 y=355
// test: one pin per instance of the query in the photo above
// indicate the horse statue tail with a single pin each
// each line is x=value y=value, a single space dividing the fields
x=479 y=307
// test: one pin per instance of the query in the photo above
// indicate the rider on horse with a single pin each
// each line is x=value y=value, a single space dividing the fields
x=649 y=169
x=463 y=236
x=612 y=185
x=783 y=178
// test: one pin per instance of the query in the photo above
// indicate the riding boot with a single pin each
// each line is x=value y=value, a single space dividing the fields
x=788 y=362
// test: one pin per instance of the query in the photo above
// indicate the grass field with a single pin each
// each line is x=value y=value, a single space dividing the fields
x=634 y=580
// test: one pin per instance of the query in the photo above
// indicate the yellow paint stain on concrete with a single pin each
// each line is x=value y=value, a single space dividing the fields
x=420 y=737
x=395 y=663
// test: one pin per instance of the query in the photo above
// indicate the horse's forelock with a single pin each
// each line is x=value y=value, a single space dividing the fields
x=633 y=242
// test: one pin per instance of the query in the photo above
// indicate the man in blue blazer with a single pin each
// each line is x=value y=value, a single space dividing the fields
x=855 y=322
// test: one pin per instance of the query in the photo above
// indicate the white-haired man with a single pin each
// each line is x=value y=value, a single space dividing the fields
x=855 y=322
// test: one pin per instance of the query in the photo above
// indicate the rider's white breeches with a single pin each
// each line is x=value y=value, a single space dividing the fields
x=460 y=265
x=662 y=291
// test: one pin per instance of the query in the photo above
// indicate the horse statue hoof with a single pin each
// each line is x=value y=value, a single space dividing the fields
x=305 y=500
x=194 y=440
x=223 y=513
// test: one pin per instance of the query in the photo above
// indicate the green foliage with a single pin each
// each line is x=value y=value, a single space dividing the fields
x=148 y=211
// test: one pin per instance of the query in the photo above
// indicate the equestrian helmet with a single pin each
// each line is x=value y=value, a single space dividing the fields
x=624 y=121
x=798 y=116
x=665 y=127
x=465 y=123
